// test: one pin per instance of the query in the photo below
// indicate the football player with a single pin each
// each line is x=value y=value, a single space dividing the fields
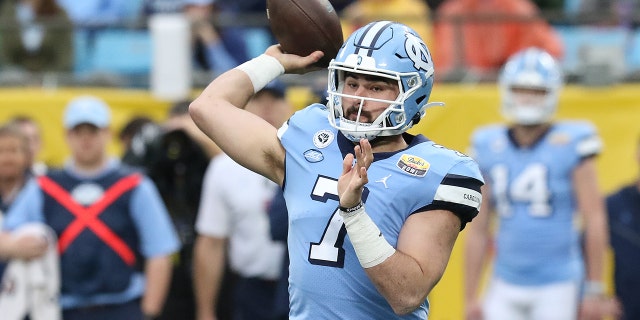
x=374 y=212
x=540 y=174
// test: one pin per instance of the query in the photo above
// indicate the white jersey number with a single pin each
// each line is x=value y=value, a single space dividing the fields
x=329 y=251
x=530 y=186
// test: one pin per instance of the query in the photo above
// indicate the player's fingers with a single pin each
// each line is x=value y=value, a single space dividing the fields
x=366 y=148
x=346 y=163
x=357 y=150
x=299 y=65
x=364 y=177
x=362 y=160
x=313 y=57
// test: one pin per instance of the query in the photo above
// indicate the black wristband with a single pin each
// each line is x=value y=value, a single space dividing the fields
x=352 y=209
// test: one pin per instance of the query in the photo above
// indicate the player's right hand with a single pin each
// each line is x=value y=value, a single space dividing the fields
x=354 y=174
x=293 y=63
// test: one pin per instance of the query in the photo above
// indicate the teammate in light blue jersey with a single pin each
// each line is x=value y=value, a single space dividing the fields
x=374 y=212
x=541 y=177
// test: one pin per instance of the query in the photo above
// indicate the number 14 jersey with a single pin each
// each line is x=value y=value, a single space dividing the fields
x=537 y=241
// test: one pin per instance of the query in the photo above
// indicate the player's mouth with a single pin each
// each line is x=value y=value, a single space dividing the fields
x=352 y=114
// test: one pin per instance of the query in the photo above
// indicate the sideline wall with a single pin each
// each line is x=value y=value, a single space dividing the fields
x=614 y=110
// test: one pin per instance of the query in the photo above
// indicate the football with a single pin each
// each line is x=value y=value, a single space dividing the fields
x=304 y=26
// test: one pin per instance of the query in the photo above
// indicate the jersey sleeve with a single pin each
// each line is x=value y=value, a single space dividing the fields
x=459 y=192
x=153 y=223
x=588 y=142
x=26 y=208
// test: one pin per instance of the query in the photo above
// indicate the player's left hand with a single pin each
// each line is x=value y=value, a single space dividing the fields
x=354 y=175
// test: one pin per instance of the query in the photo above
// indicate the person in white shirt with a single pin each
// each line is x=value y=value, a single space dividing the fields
x=233 y=214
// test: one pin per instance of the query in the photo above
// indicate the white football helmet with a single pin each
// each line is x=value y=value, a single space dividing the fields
x=532 y=68
x=390 y=50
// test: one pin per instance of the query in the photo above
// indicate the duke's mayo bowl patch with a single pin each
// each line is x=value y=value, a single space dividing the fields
x=412 y=165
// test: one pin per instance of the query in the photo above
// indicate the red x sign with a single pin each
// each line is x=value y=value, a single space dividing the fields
x=87 y=217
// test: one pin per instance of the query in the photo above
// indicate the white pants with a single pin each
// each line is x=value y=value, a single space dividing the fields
x=505 y=301
x=32 y=287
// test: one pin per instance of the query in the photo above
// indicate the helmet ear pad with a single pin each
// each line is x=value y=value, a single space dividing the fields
x=416 y=118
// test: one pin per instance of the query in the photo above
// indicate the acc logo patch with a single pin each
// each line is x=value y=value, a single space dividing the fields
x=412 y=165
x=313 y=155
x=322 y=138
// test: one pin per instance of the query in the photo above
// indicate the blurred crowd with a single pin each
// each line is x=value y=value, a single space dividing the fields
x=130 y=237
x=470 y=39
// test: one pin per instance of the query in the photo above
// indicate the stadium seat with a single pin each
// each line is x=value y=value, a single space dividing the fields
x=81 y=51
x=633 y=52
x=122 y=51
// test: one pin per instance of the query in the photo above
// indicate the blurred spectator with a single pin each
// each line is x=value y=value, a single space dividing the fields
x=15 y=160
x=176 y=161
x=233 y=215
x=31 y=270
x=115 y=234
x=215 y=49
x=245 y=22
x=100 y=13
x=36 y=36
x=414 y=13
x=623 y=207
x=476 y=37
x=31 y=130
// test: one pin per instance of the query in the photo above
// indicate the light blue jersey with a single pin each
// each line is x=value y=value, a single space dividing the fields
x=537 y=240
x=326 y=279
